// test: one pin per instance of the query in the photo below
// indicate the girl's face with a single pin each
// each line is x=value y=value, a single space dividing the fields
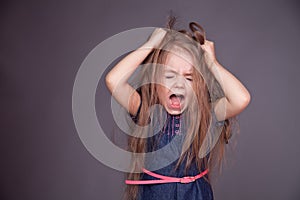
x=176 y=90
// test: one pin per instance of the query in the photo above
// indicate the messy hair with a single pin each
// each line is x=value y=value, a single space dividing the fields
x=198 y=114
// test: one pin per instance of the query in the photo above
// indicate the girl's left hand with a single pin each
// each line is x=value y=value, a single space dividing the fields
x=209 y=48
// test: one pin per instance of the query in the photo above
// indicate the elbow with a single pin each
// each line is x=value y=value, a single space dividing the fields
x=241 y=102
x=108 y=82
x=107 y=79
x=244 y=101
x=237 y=106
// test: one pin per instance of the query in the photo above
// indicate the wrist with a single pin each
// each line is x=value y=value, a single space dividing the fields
x=213 y=64
x=147 y=45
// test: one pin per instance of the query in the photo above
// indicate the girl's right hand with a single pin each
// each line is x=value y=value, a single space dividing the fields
x=156 y=37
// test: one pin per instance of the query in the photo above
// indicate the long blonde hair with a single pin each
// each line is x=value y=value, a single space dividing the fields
x=198 y=114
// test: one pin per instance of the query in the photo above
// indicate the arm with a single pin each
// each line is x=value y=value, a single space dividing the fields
x=236 y=97
x=116 y=79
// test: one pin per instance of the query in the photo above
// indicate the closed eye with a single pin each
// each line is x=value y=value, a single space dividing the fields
x=189 y=78
x=169 y=75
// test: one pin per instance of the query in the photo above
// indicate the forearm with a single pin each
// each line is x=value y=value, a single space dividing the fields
x=117 y=78
x=120 y=74
x=235 y=92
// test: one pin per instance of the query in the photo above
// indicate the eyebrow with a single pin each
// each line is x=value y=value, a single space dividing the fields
x=173 y=71
x=170 y=70
x=188 y=74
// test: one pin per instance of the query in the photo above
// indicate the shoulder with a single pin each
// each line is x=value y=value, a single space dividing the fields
x=215 y=121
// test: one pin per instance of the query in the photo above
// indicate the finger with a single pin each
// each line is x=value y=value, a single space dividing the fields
x=208 y=41
x=203 y=47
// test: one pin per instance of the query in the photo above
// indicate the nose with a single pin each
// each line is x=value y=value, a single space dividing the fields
x=179 y=82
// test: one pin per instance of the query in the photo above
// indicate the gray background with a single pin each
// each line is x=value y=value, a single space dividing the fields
x=43 y=44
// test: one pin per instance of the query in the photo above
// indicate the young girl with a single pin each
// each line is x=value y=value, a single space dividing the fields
x=182 y=137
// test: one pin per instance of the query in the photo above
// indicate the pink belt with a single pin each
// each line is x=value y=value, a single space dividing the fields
x=166 y=179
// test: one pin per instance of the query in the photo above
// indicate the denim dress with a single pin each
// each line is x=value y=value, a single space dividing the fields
x=170 y=138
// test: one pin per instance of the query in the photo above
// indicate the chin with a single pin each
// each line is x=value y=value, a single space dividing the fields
x=174 y=112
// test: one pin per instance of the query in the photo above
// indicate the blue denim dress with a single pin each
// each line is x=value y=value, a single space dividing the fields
x=171 y=136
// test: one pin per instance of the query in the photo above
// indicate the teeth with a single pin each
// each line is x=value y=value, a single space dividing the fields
x=177 y=95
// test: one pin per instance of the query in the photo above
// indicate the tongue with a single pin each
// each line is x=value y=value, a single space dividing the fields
x=175 y=101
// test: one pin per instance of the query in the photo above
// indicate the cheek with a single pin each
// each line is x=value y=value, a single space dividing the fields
x=166 y=83
x=162 y=92
x=190 y=91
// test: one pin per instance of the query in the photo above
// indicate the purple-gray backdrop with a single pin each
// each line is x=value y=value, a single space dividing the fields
x=43 y=44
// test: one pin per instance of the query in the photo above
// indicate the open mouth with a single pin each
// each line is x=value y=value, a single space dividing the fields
x=176 y=100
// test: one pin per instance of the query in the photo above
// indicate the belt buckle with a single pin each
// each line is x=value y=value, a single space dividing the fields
x=187 y=179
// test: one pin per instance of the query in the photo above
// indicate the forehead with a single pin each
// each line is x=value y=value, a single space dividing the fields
x=180 y=62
